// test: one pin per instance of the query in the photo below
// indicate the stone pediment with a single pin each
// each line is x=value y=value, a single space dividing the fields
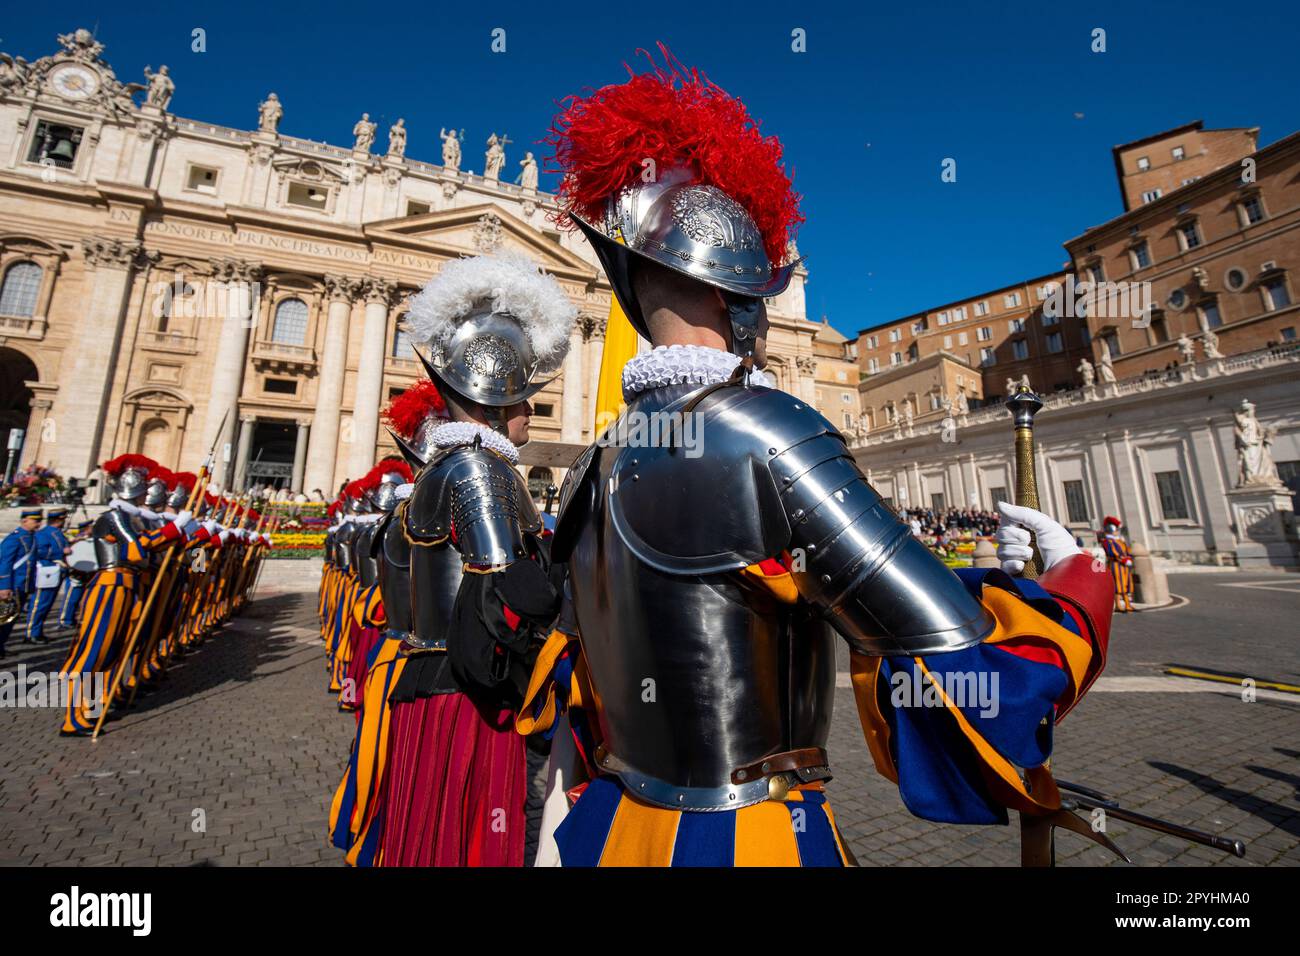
x=475 y=230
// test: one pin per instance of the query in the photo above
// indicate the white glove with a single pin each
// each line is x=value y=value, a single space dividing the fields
x=210 y=526
x=182 y=519
x=190 y=527
x=267 y=538
x=1055 y=543
x=224 y=536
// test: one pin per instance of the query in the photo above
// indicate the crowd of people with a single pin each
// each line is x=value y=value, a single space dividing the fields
x=950 y=523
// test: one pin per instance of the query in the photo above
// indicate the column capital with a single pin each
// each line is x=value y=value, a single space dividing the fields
x=341 y=288
x=379 y=290
x=303 y=422
x=593 y=326
x=248 y=419
x=236 y=270
x=115 y=253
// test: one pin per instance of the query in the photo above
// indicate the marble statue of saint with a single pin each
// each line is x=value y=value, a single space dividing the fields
x=528 y=177
x=450 y=149
x=963 y=406
x=1187 y=348
x=161 y=87
x=364 y=131
x=269 y=113
x=1011 y=387
x=1105 y=368
x=495 y=158
x=397 y=139
x=1210 y=342
x=1253 y=442
x=1089 y=376
x=1024 y=381
x=13 y=71
x=1201 y=278
x=907 y=414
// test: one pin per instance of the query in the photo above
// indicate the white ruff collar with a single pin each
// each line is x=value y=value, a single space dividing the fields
x=452 y=434
x=121 y=504
x=681 y=365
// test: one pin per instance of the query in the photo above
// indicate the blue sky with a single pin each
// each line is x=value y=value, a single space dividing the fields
x=867 y=114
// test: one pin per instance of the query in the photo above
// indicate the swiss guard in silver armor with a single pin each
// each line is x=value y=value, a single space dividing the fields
x=123 y=544
x=721 y=533
x=357 y=513
x=491 y=329
x=357 y=806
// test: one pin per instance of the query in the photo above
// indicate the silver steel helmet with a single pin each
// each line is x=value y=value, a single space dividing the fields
x=155 y=495
x=385 y=496
x=489 y=361
x=691 y=228
x=130 y=483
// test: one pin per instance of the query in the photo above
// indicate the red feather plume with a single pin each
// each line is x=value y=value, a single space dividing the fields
x=388 y=466
x=676 y=117
x=115 y=466
x=161 y=473
x=184 y=479
x=407 y=411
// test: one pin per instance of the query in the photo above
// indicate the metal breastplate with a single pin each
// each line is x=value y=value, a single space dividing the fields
x=394 y=556
x=363 y=560
x=112 y=529
x=343 y=546
x=697 y=672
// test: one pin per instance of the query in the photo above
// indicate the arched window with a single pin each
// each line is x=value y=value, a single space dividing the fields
x=18 y=294
x=290 y=326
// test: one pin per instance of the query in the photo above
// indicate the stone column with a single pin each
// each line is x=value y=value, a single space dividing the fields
x=571 y=400
x=237 y=283
x=300 y=456
x=322 y=451
x=370 y=373
x=241 y=460
x=90 y=370
x=595 y=334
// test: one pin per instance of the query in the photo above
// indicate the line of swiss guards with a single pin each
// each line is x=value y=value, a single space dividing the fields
x=670 y=643
x=166 y=565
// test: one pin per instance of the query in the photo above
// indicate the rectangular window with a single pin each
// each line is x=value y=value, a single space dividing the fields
x=947 y=341
x=1016 y=325
x=202 y=179
x=311 y=197
x=982 y=308
x=1151 y=195
x=1049 y=319
x=1276 y=294
x=1173 y=503
x=1177 y=153
x=1159 y=330
x=1141 y=255
x=544 y=410
x=873 y=366
x=895 y=358
x=1190 y=235
x=1210 y=313
x=280 y=386
x=1054 y=343
x=937 y=501
x=848 y=420
x=402 y=345
x=918 y=328
x=1288 y=334
x=1144 y=163
x=1076 y=502
x=1011 y=299
x=961 y=338
x=414 y=208
x=986 y=357
x=895 y=335
x=943 y=318
x=1253 y=209
x=984 y=334
x=1097 y=272
x=55 y=145
x=1020 y=349
x=959 y=314
x=1112 y=342
x=873 y=342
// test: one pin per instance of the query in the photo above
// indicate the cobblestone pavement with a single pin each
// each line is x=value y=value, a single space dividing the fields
x=243 y=735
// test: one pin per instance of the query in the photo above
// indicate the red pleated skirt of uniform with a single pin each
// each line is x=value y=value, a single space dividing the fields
x=456 y=786
x=365 y=639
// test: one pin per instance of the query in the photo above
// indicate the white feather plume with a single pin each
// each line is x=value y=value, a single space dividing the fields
x=511 y=284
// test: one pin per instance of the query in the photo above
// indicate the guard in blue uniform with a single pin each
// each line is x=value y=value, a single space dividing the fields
x=69 y=613
x=17 y=569
x=51 y=548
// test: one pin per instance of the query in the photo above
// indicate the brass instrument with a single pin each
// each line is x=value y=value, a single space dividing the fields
x=10 y=608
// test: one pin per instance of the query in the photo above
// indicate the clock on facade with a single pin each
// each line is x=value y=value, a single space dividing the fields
x=74 y=82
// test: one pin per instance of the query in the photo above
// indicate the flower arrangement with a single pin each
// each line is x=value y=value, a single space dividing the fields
x=34 y=485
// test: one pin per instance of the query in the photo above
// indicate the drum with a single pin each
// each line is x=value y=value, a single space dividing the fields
x=81 y=561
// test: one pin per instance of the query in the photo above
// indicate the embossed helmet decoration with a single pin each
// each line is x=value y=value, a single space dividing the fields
x=669 y=167
x=128 y=475
x=491 y=326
